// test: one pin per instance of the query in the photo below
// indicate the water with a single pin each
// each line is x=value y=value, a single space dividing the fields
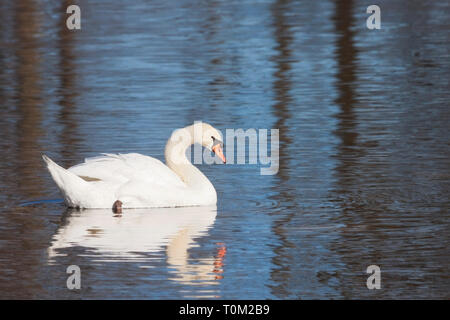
x=364 y=159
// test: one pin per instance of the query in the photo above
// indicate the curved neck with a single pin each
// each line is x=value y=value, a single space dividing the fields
x=175 y=154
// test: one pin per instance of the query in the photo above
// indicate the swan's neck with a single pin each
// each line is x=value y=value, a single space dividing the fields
x=176 y=160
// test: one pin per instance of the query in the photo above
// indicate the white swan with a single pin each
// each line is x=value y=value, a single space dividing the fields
x=137 y=181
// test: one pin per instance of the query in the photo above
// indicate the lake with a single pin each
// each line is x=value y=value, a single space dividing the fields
x=364 y=169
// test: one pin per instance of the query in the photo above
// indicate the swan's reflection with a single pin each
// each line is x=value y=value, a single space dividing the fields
x=135 y=233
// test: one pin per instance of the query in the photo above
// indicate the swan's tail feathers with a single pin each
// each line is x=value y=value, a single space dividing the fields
x=71 y=185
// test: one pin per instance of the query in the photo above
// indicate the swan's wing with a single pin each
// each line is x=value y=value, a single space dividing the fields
x=121 y=168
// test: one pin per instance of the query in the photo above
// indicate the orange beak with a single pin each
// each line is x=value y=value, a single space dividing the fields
x=217 y=149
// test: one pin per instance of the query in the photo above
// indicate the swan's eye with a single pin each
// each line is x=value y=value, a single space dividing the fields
x=216 y=141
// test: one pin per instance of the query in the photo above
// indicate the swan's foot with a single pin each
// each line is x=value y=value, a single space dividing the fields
x=117 y=206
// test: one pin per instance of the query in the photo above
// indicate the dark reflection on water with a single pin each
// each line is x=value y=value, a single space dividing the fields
x=282 y=259
x=364 y=160
x=68 y=92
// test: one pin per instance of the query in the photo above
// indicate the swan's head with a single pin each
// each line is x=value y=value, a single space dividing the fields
x=209 y=137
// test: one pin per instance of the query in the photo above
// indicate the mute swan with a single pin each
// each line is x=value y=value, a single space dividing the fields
x=137 y=181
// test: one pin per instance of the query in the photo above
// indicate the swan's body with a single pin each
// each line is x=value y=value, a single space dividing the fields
x=139 y=181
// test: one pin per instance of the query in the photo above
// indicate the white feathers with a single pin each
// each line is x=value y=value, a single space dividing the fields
x=138 y=181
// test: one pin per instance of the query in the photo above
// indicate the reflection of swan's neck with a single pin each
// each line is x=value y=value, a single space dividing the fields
x=208 y=271
x=176 y=160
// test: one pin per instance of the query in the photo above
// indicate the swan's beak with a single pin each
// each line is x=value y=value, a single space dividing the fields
x=217 y=149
